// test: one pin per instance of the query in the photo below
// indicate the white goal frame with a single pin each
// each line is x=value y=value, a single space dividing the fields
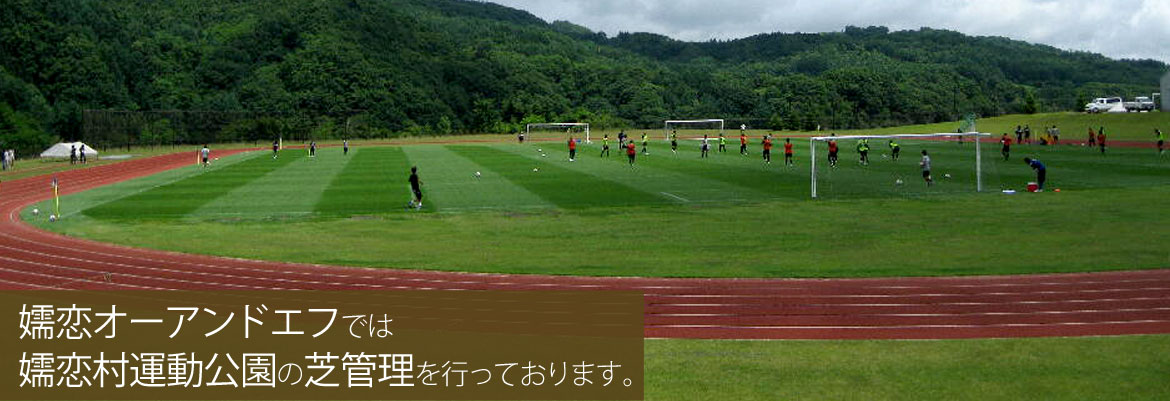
x=812 y=146
x=668 y=123
x=529 y=127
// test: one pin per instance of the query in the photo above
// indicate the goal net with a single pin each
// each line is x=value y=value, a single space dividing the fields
x=709 y=125
x=578 y=129
x=892 y=165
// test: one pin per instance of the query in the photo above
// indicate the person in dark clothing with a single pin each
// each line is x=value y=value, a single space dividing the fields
x=415 y=189
x=1041 y=172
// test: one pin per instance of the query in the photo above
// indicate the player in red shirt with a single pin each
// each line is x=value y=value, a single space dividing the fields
x=742 y=144
x=631 y=152
x=1007 y=146
x=788 y=152
x=768 y=149
x=832 y=152
x=572 y=149
x=1101 y=139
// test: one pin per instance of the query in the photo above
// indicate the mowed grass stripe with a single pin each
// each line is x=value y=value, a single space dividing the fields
x=373 y=182
x=561 y=186
x=181 y=198
x=294 y=189
x=678 y=186
x=759 y=178
x=451 y=185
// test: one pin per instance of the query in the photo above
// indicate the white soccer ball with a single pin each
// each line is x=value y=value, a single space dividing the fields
x=543 y=155
x=477 y=175
x=52 y=218
x=540 y=150
x=946 y=176
x=898 y=182
x=535 y=170
x=36 y=212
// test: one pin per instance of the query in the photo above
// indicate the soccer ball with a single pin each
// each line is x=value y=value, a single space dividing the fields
x=535 y=170
x=946 y=176
x=36 y=212
x=477 y=174
x=540 y=150
x=898 y=182
x=543 y=155
x=52 y=218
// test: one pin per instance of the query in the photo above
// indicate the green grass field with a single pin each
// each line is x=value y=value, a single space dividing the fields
x=677 y=215
x=1107 y=368
x=670 y=215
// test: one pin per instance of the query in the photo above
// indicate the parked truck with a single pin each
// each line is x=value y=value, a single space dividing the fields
x=1140 y=104
x=1102 y=104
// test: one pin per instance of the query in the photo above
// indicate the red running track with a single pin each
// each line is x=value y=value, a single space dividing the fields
x=1116 y=303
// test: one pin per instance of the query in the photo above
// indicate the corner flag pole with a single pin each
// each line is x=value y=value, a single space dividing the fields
x=56 y=198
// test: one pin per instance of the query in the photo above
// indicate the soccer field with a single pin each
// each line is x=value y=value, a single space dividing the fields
x=670 y=215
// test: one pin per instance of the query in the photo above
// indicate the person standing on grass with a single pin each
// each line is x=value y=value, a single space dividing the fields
x=1041 y=172
x=622 y=139
x=788 y=161
x=312 y=148
x=345 y=147
x=415 y=189
x=1055 y=135
x=895 y=150
x=706 y=147
x=674 y=142
x=1101 y=139
x=645 y=145
x=520 y=138
x=925 y=164
x=631 y=152
x=863 y=152
x=604 y=146
x=205 y=153
x=1161 y=141
x=1007 y=146
x=72 y=154
x=1028 y=134
x=722 y=143
x=767 y=149
x=832 y=152
x=573 y=149
x=81 y=153
x=275 y=148
x=1092 y=137
x=742 y=143
x=1020 y=134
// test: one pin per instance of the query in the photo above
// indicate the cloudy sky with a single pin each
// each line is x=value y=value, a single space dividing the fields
x=1116 y=28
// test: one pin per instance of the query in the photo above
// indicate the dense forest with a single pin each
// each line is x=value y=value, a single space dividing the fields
x=407 y=67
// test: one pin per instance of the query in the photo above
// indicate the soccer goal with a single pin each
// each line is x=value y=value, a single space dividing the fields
x=882 y=165
x=568 y=128
x=708 y=124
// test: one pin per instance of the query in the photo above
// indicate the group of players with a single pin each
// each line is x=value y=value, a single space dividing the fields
x=863 y=148
x=626 y=143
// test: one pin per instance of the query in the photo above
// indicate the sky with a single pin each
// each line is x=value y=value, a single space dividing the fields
x=1115 y=28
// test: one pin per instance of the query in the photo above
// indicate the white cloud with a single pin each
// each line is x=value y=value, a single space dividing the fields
x=1115 y=28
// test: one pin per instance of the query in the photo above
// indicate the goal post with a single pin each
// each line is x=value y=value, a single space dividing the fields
x=582 y=126
x=976 y=135
x=677 y=123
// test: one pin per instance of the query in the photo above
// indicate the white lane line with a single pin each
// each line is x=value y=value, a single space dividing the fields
x=916 y=326
x=676 y=197
x=1072 y=312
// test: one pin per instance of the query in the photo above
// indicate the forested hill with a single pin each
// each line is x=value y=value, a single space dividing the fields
x=450 y=66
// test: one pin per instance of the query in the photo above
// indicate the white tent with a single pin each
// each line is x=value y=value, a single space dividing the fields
x=61 y=150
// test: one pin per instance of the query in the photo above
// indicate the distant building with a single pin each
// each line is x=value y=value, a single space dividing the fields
x=1165 y=91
